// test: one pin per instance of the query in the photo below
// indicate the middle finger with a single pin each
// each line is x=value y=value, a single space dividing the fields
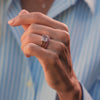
x=56 y=34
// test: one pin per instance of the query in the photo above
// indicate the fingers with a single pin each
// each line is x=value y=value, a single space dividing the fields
x=54 y=46
x=36 y=39
x=31 y=38
x=37 y=18
x=48 y=61
x=23 y=12
x=40 y=30
x=31 y=46
x=32 y=49
x=56 y=34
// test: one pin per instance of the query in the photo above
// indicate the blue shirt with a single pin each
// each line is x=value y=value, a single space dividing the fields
x=22 y=78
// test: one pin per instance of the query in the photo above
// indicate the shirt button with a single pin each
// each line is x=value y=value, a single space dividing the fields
x=29 y=83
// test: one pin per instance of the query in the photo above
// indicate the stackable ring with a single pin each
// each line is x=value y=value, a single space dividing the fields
x=45 y=41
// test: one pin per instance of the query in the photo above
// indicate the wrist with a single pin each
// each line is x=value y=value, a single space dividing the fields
x=74 y=94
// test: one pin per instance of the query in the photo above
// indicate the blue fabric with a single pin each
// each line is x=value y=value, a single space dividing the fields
x=86 y=95
x=22 y=78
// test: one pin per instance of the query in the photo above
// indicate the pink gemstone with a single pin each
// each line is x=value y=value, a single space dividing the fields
x=45 y=38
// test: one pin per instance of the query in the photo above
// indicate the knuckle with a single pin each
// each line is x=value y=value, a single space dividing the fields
x=60 y=48
x=65 y=37
x=36 y=15
x=62 y=45
x=65 y=27
x=29 y=48
x=64 y=34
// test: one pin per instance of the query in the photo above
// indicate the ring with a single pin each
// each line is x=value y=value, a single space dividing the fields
x=45 y=41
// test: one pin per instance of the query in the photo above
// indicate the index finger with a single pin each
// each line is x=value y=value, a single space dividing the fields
x=23 y=12
x=37 y=18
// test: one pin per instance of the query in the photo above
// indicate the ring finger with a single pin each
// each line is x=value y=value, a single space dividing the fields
x=53 y=45
x=56 y=34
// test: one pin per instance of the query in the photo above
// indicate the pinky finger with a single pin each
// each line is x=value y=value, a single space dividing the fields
x=32 y=49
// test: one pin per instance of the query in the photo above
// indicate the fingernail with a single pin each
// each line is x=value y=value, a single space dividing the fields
x=11 y=21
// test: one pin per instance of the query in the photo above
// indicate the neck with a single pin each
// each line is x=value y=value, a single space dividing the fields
x=36 y=5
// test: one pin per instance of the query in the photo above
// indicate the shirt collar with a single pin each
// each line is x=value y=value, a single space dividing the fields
x=61 y=5
x=57 y=7
x=91 y=4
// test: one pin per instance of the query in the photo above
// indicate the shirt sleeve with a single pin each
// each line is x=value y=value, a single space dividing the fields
x=85 y=94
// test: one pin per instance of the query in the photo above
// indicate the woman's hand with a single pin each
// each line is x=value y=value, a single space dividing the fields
x=56 y=59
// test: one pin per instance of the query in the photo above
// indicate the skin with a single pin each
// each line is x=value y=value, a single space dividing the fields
x=36 y=5
x=56 y=59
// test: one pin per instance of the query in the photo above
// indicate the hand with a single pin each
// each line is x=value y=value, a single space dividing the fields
x=56 y=59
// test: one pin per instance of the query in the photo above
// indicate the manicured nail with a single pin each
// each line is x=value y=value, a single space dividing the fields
x=11 y=21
